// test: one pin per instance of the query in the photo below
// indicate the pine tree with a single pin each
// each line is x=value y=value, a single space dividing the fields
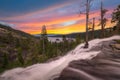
x=44 y=38
x=65 y=43
x=78 y=40
x=5 y=60
x=116 y=19
x=20 y=57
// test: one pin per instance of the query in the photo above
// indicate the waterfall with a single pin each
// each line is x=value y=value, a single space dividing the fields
x=48 y=71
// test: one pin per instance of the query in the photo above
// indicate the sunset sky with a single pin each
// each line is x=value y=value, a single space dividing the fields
x=59 y=16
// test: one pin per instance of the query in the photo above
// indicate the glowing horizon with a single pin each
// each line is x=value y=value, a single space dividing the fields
x=60 y=17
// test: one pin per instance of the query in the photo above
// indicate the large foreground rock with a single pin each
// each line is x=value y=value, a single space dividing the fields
x=105 y=66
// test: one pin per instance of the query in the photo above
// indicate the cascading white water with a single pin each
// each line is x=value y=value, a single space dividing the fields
x=47 y=71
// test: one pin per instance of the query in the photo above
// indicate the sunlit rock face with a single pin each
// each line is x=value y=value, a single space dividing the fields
x=105 y=66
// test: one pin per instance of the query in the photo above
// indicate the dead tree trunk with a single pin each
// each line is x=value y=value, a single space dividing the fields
x=87 y=19
x=102 y=23
x=93 y=28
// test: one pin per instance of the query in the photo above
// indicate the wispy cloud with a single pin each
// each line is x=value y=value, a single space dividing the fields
x=57 y=16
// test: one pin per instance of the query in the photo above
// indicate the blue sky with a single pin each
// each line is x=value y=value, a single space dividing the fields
x=30 y=15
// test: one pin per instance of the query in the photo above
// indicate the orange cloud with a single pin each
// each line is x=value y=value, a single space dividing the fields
x=79 y=26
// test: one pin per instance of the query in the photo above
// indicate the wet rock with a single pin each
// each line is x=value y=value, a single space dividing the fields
x=105 y=66
x=117 y=46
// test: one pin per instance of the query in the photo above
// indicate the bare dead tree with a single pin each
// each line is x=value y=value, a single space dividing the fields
x=103 y=20
x=93 y=28
x=87 y=22
x=87 y=10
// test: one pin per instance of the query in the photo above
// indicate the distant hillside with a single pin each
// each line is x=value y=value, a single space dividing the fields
x=18 y=32
x=16 y=47
x=96 y=33
x=81 y=34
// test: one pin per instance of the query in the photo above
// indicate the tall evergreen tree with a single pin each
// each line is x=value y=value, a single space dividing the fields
x=5 y=60
x=64 y=42
x=20 y=57
x=78 y=40
x=116 y=18
x=44 y=38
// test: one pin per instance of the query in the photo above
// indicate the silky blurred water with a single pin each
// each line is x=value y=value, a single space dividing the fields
x=48 y=71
